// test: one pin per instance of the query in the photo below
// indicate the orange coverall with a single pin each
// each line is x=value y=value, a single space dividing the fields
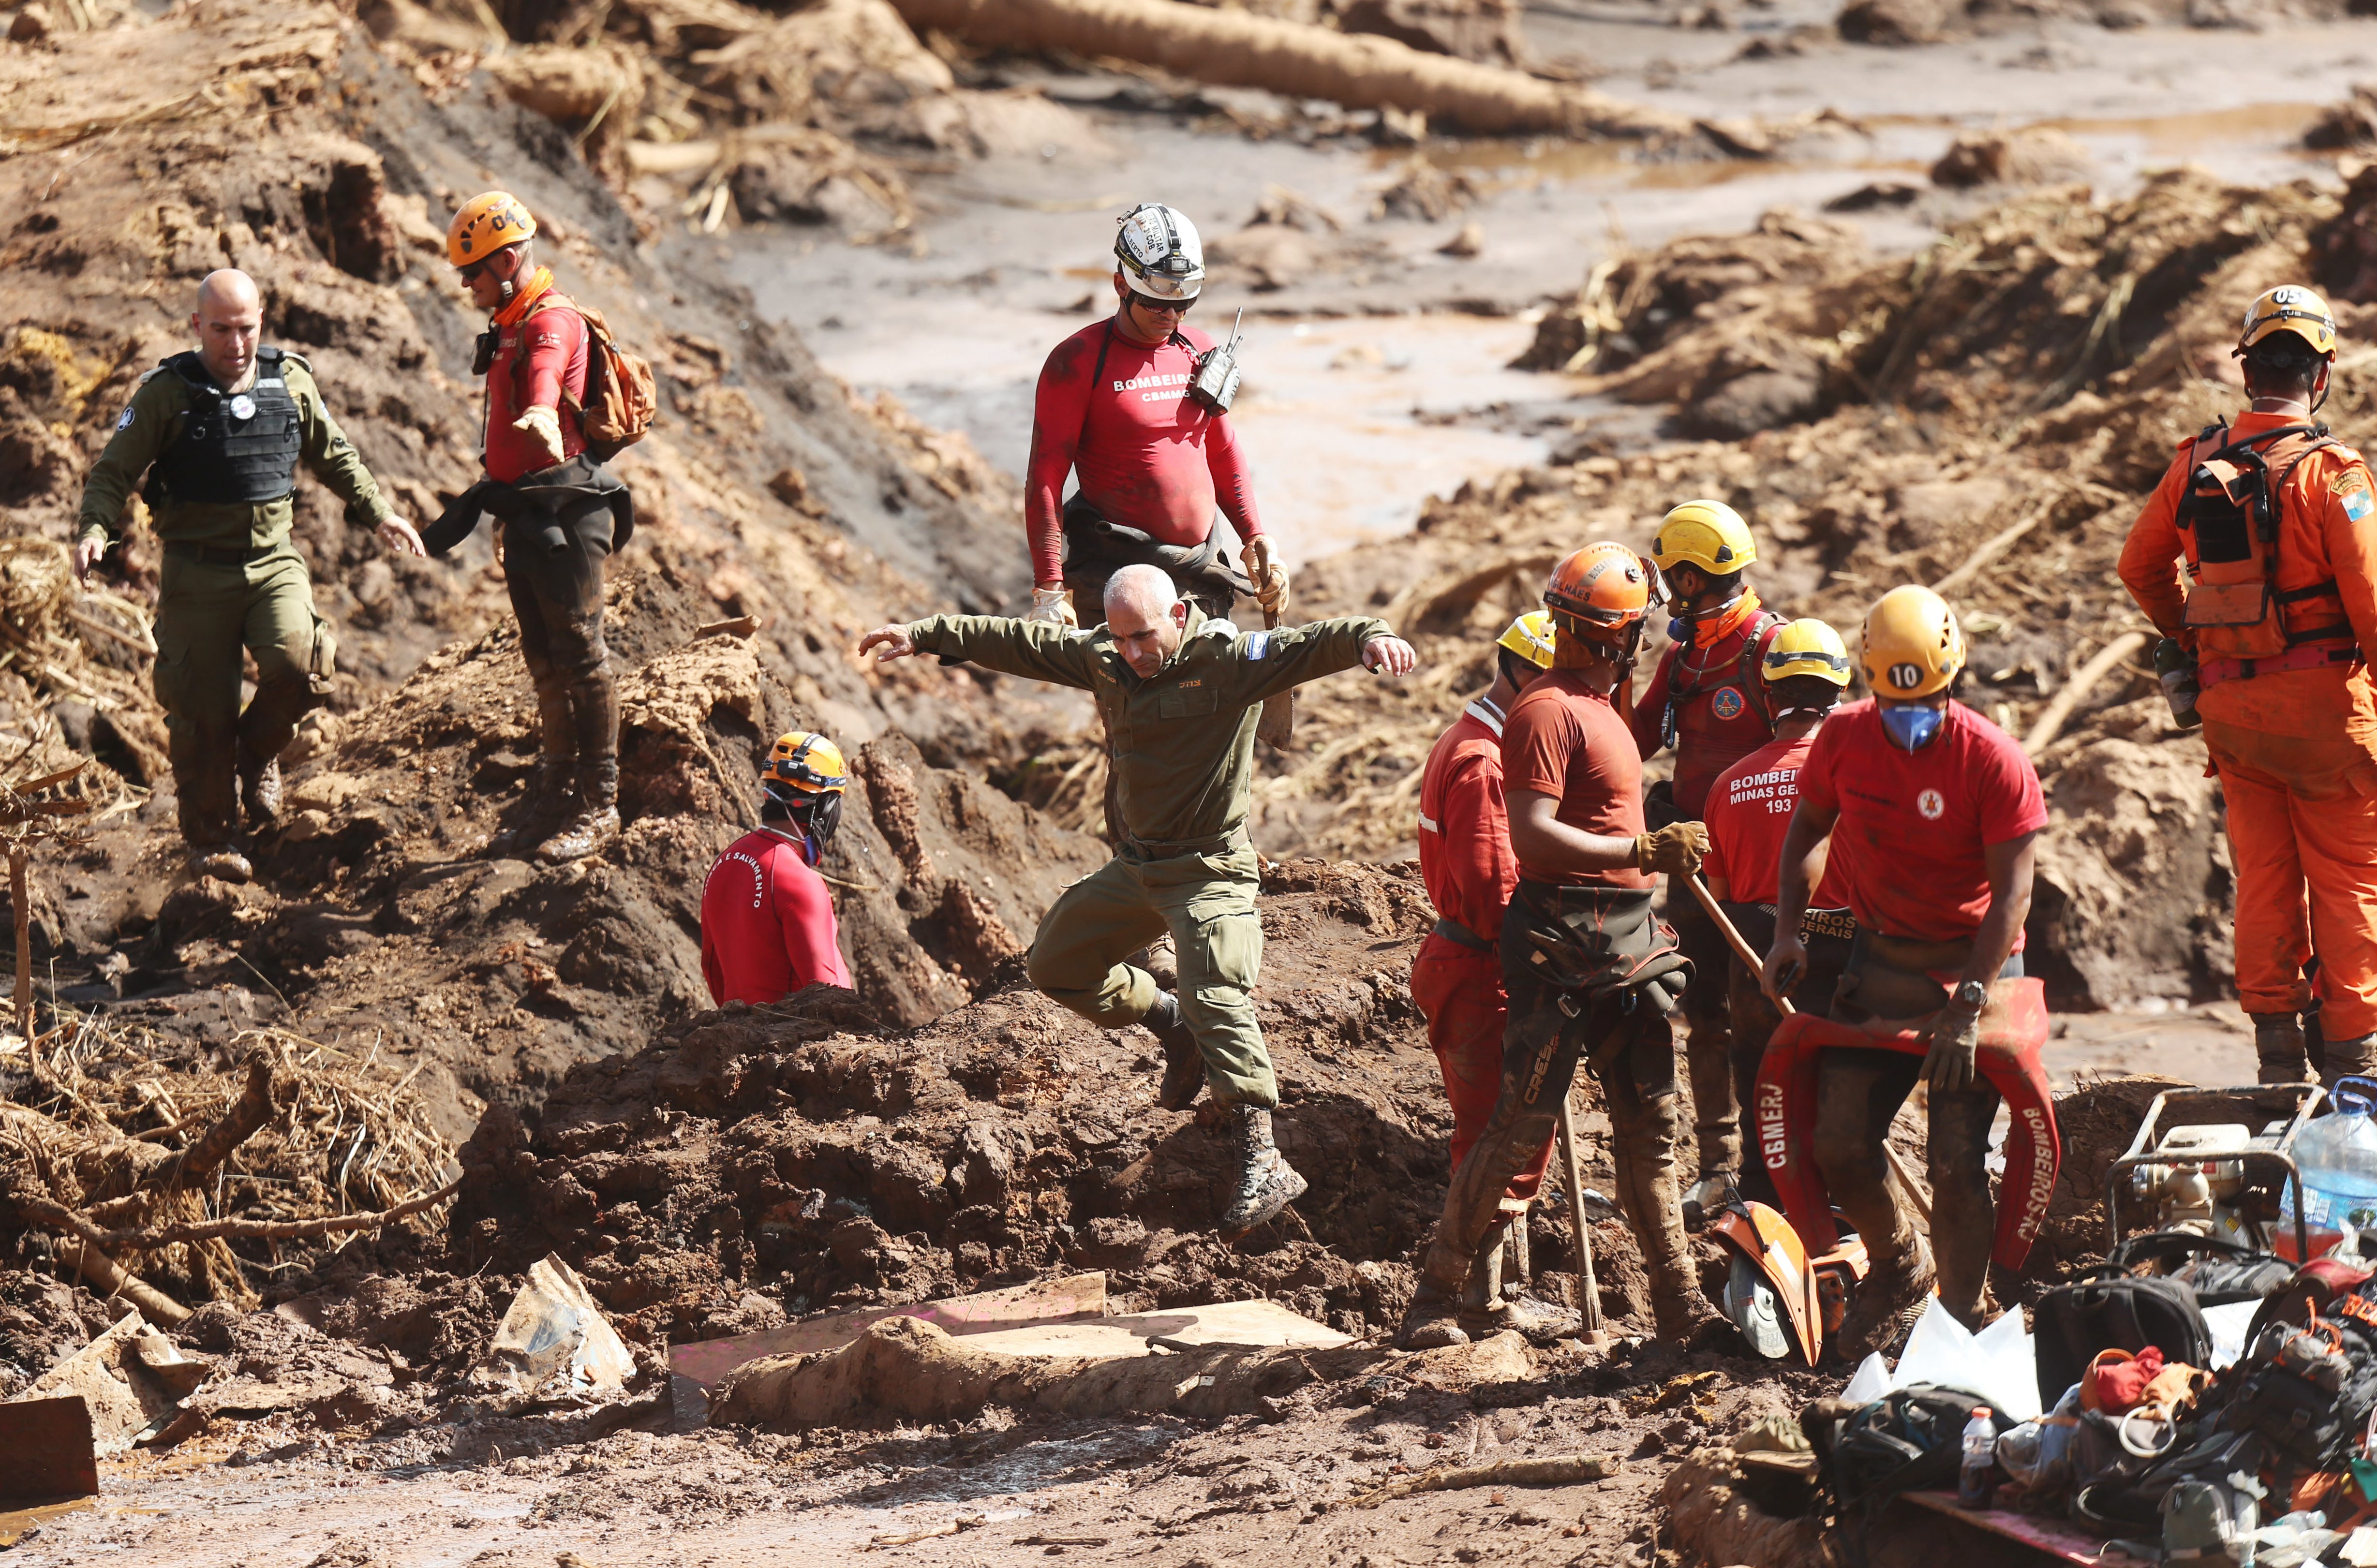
x=2296 y=750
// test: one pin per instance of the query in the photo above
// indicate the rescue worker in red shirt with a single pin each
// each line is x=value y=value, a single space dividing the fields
x=1706 y=700
x=1591 y=975
x=563 y=514
x=1114 y=408
x=2276 y=605
x=767 y=929
x=1748 y=811
x=1464 y=858
x=1938 y=811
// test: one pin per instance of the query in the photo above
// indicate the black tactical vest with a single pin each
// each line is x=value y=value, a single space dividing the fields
x=235 y=448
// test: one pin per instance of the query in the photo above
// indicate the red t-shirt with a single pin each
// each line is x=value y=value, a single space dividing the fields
x=1464 y=825
x=537 y=359
x=767 y=923
x=1748 y=811
x=1148 y=457
x=1564 y=739
x=1723 y=720
x=1915 y=824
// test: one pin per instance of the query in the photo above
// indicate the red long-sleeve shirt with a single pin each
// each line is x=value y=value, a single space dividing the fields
x=536 y=360
x=767 y=923
x=1464 y=824
x=1722 y=722
x=1148 y=457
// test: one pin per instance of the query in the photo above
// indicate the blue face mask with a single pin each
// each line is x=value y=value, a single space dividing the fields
x=1680 y=629
x=1912 y=724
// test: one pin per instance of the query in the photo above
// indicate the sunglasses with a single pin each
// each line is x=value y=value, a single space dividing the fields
x=478 y=269
x=1145 y=301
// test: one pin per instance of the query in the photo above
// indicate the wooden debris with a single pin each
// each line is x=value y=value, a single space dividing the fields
x=1566 y=1469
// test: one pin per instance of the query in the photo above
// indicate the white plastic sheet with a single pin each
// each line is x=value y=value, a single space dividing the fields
x=1997 y=1365
x=2228 y=1325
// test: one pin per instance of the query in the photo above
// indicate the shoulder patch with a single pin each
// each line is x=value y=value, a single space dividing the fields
x=2349 y=479
x=1258 y=643
x=124 y=420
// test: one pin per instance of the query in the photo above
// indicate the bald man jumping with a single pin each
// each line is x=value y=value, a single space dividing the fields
x=220 y=431
x=1179 y=691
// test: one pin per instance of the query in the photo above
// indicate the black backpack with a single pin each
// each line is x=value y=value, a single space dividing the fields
x=2220 y=1272
x=2128 y=1500
x=1908 y=1440
x=2114 y=1312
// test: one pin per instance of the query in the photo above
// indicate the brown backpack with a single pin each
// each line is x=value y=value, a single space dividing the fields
x=621 y=397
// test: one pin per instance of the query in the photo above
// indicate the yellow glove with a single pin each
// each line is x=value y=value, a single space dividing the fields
x=1268 y=576
x=1053 y=605
x=1676 y=848
x=543 y=426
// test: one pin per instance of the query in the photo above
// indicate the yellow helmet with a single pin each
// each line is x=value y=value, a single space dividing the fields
x=1530 y=638
x=485 y=225
x=1707 y=534
x=1807 y=648
x=1912 y=645
x=2289 y=307
x=807 y=763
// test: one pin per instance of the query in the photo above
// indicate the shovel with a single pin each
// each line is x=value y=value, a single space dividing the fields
x=1741 y=951
x=1278 y=722
x=1575 y=1174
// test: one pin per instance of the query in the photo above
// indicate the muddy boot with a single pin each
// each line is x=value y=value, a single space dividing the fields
x=221 y=862
x=1709 y=1196
x=1484 y=1309
x=550 y=799
x=1184 y=1065
x=1267 y=1183
x=1900 y=1282
x=1433 y=1319
x=2278 y=1046
x=259 y=787
x=597 y=821
x=2350 y=1058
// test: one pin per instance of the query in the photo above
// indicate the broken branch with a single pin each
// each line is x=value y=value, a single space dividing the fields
x=2076 y=691
x=276 y=1229
x=1566 y=1469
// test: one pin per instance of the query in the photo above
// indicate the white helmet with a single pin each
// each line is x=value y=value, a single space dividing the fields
x=1160 y=253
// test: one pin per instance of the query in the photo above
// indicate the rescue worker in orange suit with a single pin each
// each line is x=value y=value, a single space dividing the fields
x=1464 y=858
x=1592 y=974
x=1938 y=811
x=767 y=929
x=1153 y=462
x=1806 y=670
x=2276 y=603
x=563 y=514
x=1706 y=700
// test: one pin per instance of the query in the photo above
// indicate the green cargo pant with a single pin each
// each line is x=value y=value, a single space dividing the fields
x=1207 y=903
x=207 y=612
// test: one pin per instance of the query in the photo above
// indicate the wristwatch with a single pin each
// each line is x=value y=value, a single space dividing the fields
x=1972 y=995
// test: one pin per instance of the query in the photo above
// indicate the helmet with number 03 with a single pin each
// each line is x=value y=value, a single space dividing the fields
x=485 y=225
x=1600 y=592
x=1912 y=645
x=1530 y=638
x=2289 y=307
x=1160 y=253
x=1807 y=646
x=1706 y=534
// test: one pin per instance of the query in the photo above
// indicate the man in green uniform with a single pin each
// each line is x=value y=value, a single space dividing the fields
x=220 y=431
x=1179 y=691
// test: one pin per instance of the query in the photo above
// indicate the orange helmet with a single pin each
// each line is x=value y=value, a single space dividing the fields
x=485 y=225
x=1600 y=592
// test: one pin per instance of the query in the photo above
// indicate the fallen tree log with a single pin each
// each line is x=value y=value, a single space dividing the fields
x=1566 y=1469
x=1237 y=49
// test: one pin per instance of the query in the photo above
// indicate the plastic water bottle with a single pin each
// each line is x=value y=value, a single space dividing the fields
x=2175 y=669
x=1980 y=1453
x=2339 y=1157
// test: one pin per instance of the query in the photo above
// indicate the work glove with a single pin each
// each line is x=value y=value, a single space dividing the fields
x=1955 y=1036
x=1677 y=848
x=1053 y=605
x=542 y=425
x=1268 y=576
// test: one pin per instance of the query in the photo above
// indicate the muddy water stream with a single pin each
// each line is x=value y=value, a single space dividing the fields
x=1380 y=379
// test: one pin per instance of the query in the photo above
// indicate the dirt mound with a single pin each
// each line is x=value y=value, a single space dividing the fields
x=809 y=1157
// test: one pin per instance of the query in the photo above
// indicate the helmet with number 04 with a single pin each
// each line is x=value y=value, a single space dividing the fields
x=1530 y=636
x=1912 y=645
x=2289 y=307
x=1601 y=591
x=1160 y=253
x=1706 y=534
x=1807 y=646
x=485 y=225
